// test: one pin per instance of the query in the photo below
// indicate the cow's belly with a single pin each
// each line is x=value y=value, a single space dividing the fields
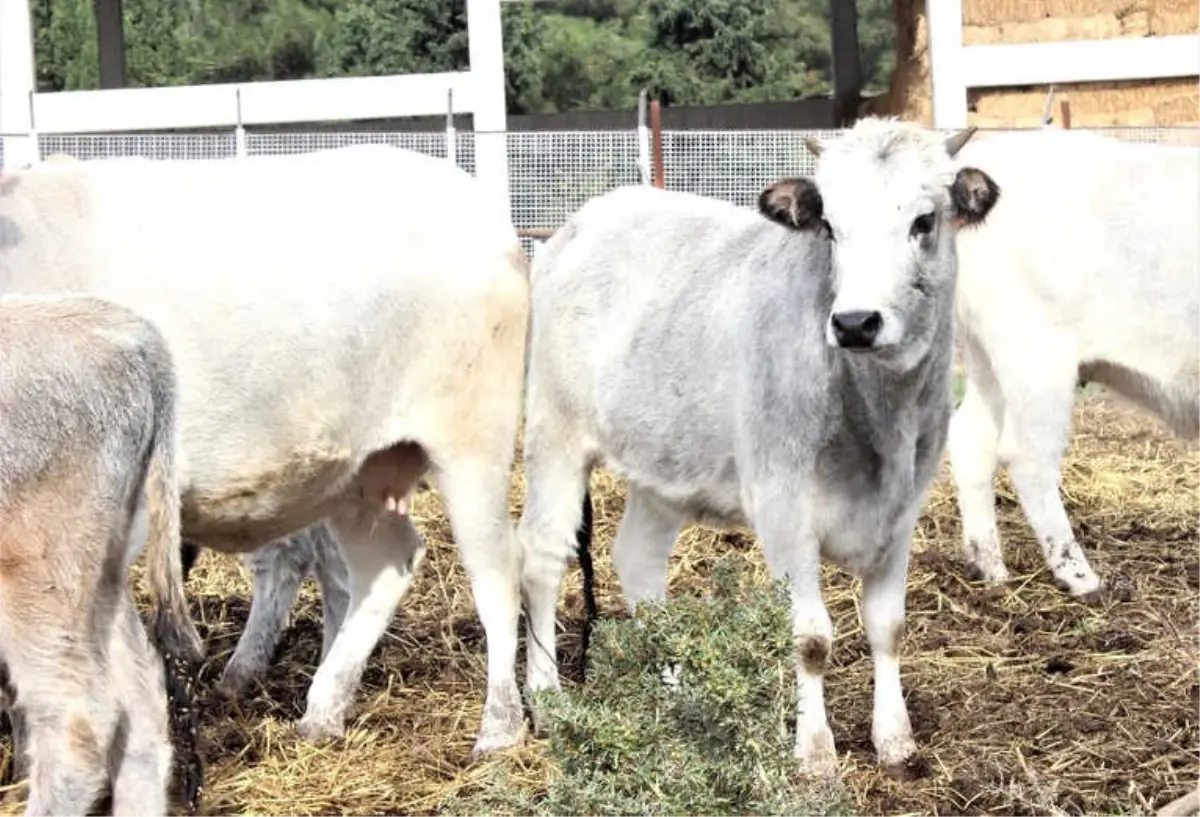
x=675 y=456
x=238 y=505
x=280 y=399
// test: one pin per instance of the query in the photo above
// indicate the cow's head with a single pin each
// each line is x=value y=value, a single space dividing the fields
x=889 y=196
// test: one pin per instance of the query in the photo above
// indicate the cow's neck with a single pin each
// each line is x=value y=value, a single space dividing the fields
x=893 y=401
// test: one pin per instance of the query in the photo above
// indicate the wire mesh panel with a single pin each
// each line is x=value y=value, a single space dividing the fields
x=146 y=145
x=551 y=174
x=432 y=143
x=734 y=166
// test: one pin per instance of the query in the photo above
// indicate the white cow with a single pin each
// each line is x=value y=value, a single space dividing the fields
x=1088 y=270
x=338 y=329
x=789 y=369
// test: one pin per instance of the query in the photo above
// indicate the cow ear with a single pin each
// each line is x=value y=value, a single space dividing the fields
x=794 y=202
x=973 y=195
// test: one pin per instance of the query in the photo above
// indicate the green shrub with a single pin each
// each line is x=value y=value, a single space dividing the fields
x=716 y=741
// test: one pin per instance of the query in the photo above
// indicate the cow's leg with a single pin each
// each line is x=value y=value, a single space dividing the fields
x=642 y=547
x=141 y=758
x=69 y=725
x=883 y=619
x=1037 y=431
x=973 y=440
x=476 y=493
x=792 y=549
x=334 y=581
x=276 y=570
x=557 y=474
x=382 y=552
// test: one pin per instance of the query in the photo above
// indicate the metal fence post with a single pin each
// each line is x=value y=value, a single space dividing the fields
x=451 y=138
x=643 y=140
x=239 y=133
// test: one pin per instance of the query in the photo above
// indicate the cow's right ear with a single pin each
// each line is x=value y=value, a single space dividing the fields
x=973 y=194
x=793 y=202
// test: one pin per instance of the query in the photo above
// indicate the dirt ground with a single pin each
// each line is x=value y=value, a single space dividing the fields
x=1023 y=700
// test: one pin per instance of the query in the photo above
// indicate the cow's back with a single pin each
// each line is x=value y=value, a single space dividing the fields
x=643 y=292
x=304 y=298
x=1093 y=236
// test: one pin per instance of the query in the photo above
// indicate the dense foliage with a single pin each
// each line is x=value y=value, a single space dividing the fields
x=687 y=709
x=559 y=55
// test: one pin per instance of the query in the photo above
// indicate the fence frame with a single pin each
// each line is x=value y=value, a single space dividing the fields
x=954 y=68
x=24 y=113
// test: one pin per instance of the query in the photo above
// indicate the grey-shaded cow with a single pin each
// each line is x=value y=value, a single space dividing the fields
x=87 y=479
x=792 y=372
x=339 y=329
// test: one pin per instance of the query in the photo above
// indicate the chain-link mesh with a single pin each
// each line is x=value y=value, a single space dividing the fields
x=551 y=174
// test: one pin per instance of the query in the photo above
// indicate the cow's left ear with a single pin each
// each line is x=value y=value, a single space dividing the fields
x=973 y=195
x=793 y=202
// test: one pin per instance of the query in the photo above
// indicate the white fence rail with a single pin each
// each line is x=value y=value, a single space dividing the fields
x=551 y=174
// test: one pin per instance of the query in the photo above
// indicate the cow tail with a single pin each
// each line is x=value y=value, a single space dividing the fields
x=190 y=552
x=583 y=544
x=174 y=632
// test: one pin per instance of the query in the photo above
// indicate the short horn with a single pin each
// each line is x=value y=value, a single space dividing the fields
x=813 y=144
x=955 y=143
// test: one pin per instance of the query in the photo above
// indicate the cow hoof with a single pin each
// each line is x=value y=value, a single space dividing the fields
x=503 y=722
x=816 y=755
x=234 y=681
x=987 y=571
x=1082 y=584
x=320 y=729
x=896 y=753
x=913 y=767
x=541 y=718
x=494 y=740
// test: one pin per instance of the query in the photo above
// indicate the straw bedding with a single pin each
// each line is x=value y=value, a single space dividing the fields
x=1023 y=700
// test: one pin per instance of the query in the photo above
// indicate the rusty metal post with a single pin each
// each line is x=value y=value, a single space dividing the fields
x=660 y=174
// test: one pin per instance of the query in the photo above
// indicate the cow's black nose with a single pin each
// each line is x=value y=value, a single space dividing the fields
x=857 y=329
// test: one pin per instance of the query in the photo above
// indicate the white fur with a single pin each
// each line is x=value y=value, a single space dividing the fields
x=1088 y=266
x=322 y=308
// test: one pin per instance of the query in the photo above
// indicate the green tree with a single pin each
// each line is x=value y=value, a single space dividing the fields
x=559 y=55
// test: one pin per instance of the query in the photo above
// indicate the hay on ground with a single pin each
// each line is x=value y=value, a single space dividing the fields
x=1023 y=700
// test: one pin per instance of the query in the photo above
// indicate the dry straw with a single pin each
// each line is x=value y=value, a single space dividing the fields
x=1023 y=700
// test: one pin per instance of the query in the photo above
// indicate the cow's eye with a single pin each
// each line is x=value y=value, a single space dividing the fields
x=922 y=225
